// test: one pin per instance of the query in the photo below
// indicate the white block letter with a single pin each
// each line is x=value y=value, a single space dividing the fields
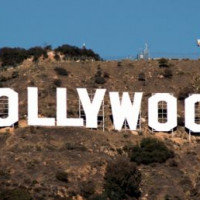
x=125 y=109
x=190 y=113
x=33 y=119
x=12 y=107
x=91 y=109
x=62 y=119
x=171 y=112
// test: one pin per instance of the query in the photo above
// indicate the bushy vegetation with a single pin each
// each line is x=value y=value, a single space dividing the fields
x=15 y=74
x=15 y=56
x=37 y=52
x=62 y=176
x=57 y=82
x=119 y=64
x=77 y=53
x=122 y=180
x=12 y=56
x=15 y=194
x=4 y=174
x=149 y=151
x=87 y=189
x=163 y=62
x=99 y=78
x=57 y=57
x=106 y=75
x=98 y=197
x=61 y=71
x=167 y=73
x=184 y=93
x=141 y=76
x=3 y=79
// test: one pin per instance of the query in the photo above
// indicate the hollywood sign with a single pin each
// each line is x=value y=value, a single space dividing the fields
x=122 y=109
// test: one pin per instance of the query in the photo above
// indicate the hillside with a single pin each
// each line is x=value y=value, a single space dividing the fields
x=70 y=163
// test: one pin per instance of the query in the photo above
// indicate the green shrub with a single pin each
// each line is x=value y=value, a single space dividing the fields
x=4 y=174
x=37 y=52
x=15 y=74
x=98 y=197
x=163 y=62
x=15 y=194
x=98 y=78
x=12 y=56
x=74 y=52
x=173 y=163
x=61 y=71
x=141 y=76
x=3 y=79
x=57 y=57
x=87 y=189
x=119 y=151
x=150 y=150
x=106 y=75
x=48 y=48
x=76 y=147
x=119 y=64
x=184 y=93
x=62 y=176
x=57 y=82
x=122 y=180
x=167 y=73
x=15 y=56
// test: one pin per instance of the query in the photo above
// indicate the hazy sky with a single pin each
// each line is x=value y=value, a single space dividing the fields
x=110 y=27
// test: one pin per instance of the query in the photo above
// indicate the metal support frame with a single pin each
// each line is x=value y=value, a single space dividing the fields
x=139 y=122
x=197 y=118
x=101 y=114
x=4 y=108
x=162 y=114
